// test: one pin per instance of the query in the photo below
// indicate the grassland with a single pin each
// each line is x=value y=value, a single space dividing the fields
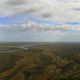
x=41 y=61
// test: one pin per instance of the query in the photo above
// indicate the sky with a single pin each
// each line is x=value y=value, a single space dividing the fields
x=40 y=20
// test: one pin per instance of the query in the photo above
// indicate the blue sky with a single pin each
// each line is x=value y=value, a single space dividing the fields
x=19 y=19
x=31 y=36
x=6 y=20
x=50 y=13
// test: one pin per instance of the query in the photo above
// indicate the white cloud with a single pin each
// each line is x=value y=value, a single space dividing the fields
x=58 y=10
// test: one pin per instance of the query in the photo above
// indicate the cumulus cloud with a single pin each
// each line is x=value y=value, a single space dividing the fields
x=59 y=10
x=39 y=26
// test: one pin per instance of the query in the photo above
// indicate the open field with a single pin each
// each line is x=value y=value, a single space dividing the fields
x=40 y=61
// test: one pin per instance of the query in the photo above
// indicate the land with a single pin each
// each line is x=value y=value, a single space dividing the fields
x=39 y=61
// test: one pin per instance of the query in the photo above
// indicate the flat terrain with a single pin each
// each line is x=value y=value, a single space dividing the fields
x=39 y=61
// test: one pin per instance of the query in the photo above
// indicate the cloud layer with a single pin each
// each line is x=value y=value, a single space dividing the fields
x=58 y=10
x=65 y=13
